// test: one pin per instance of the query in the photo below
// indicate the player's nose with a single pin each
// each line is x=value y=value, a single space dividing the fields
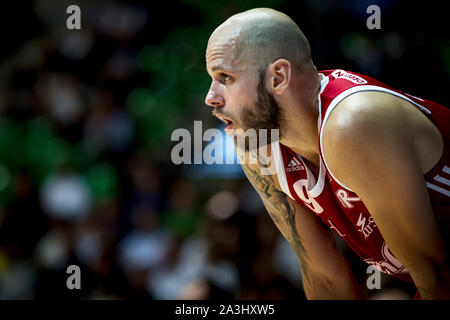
x=214 y=99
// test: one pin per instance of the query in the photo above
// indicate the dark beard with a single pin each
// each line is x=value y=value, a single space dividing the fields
x=264 y=114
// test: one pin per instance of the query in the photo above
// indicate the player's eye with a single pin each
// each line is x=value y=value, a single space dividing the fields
x=224 y=78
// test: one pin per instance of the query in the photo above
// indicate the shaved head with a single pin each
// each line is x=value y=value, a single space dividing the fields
x=261 y=69
x=264 y=35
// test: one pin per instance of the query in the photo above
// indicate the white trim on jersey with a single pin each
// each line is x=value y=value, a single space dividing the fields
x=345 y=94
x=279 y=165
x=442 y=180
x=446 y=170
x=438 y=189
x=314 y=192
x=314 y=188
x=323 y=84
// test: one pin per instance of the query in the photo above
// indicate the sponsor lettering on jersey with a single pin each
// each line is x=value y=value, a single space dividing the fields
x=332 y=226
x=301 y=188
x=390 y=264
x=345 y=200
x=348 y=76
x=294 y=165
x=368 y=228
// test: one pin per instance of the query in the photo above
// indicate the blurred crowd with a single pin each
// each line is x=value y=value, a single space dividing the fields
x=85 y=171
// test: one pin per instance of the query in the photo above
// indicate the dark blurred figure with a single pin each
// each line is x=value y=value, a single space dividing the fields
x=23 y=222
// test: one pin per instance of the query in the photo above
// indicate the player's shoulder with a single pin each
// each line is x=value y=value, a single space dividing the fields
x=363 y=132
x=364 y=126
x=364 y=115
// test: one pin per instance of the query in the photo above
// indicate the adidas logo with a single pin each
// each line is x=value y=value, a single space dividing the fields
x=294 y=165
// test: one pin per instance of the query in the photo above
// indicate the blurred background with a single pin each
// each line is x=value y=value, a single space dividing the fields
x=86 y=118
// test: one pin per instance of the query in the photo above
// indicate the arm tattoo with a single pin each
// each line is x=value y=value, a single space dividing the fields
x=282 y=212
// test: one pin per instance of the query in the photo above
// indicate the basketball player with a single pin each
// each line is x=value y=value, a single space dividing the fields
x=354 y=156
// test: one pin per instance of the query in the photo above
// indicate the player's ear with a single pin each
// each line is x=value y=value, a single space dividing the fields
x=280 y=72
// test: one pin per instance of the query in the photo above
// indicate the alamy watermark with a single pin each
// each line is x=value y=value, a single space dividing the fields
x=251 y=147
x=74 y=20
x=374 y=20
x=374 y=280
x=74 y=280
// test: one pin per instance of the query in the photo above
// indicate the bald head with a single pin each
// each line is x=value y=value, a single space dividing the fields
x=261 y=36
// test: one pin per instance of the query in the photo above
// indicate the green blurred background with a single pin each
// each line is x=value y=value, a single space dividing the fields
x=86 y=118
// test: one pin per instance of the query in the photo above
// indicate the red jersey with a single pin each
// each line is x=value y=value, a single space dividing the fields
x=336 y=204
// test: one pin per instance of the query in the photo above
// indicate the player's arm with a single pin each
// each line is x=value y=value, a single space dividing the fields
x=325 y=272
x=368 y=145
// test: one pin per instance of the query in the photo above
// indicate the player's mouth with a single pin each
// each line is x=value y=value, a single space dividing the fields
x=228 y=122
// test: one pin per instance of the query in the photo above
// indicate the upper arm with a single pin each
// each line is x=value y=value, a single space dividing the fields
x=321 y=263
x=368 y=146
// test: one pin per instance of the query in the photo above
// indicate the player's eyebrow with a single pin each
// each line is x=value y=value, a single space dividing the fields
x=215 y=68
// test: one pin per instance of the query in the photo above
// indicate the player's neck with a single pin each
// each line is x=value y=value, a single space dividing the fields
x=307 y=146
x=300 y=132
